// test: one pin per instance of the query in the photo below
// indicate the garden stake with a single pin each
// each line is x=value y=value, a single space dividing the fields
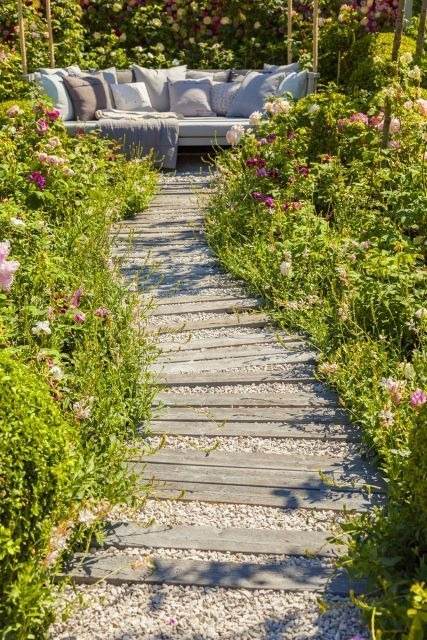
x=289 y=31
x=315 y=36
x=50 y=34
x=421 y=32
x=394 y=56
x=22 y=43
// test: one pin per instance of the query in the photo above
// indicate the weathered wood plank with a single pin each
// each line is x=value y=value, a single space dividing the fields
x=222 y=306
x=122 y=569
x=249 y=399
x=298 y=416
x=214 y=297
x=242 y=320
x=291 y=429
x=124 y=535
x=232 y=378
x=295 y=350
x=273 y=478
x=233 y=362
x=249 y=460
x=193 y=345
x=284 y=497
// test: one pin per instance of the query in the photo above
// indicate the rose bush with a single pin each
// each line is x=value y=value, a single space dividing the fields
x=331 y=230
x=72 y=365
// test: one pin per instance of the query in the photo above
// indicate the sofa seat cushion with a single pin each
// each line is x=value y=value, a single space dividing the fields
x=208 y=127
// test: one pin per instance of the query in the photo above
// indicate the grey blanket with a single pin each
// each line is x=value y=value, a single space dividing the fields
x=141 y=135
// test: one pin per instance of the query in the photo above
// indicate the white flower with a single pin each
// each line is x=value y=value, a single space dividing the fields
x=386 y=417
x=86 y=516
x=286 y=268
x=225 y=20
x=56 y=372
x=277 y=106
x=42 y=327
x=17 y=222
x=255 y=118
x=234 y=135
x=313 y=108
x=415 y=74
x=421 y=313
x=406 y=58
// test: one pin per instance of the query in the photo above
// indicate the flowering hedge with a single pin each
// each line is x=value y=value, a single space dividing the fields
x=331 y=230
x=73 y=366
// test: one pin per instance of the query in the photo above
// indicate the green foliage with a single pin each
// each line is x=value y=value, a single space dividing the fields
x=73 y=364
x=331 y=230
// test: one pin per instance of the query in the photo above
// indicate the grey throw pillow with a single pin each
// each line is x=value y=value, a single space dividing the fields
x=88 y=94
x=131 y=97
x=191 y=97
x=223 y=95
x=295 y=84
x=285 y=68
x=217 y=75
x=125 y=76
x=53 y=86
x=254 y=91
x=156 y=81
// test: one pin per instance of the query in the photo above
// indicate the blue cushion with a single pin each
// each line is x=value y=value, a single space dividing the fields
x=255 y=89
x=295 y=84
x=53 y=86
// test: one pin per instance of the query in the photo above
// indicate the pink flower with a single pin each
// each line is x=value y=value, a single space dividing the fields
x=418 y=398
x=303 y=170
x=255 y=162
x=38 y=179
x=292 y=206
x=41 y=156
x=422 y=106
x=269 y=202
x=8 y=268
x=76 y=298
x=102 y=312
x=79 y=317
x=394 y=125
x=42 y=126
x=234 y=135
x=262 y=172
x=53 y=114
x=272 y=137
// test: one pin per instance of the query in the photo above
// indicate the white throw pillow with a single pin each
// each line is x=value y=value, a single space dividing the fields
x=156 y=81
x=191 y=98
x=295 y=84
x=131 y=97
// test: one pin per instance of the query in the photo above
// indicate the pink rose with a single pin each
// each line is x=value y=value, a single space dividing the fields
x=418 y=398
x=79 y=317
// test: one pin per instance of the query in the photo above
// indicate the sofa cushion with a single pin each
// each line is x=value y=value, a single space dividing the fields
x=191 y=97
x=255 y=89
x=109 y=75
x=285 y=68
x=156 y=81
x=125 y=76
x=295 y=84
x=217 y=75
x=53 y=86
x=88 y=94
x=59 y=70
x=223 y=94
x=131 y=97
x=238 y=75
x=208 y=127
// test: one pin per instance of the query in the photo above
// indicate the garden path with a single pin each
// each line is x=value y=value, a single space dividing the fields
x=260 y=459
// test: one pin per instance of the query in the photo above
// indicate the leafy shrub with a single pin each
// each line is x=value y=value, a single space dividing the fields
x=331 y=230
x=71 y=348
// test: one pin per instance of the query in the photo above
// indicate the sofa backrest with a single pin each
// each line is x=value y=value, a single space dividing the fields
x=124 y=76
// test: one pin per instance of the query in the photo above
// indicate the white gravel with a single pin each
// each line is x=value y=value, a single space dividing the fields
x=174 y=513
x=151 y=612
x=260 y=388
x=249 y=444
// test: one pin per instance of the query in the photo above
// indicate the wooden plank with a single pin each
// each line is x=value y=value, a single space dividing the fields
x=220 y=306
x=233 y=362
x=283 y=497
x=233 y=378
x=250 y=460
x=261 y=339
x=242 y=320
x=214 y=297
x=225 y=476
x=125 y=535
x=126 y=569
x=254 y=429
x=250 y=399
x=296 y=415
x=230 y=353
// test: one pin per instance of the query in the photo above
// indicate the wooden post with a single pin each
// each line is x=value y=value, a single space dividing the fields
x=290 y=9
x=315 y=36
x=50 y=34
x=22 y=43
x=394 y=58
x=409 y=6
x=421 y=32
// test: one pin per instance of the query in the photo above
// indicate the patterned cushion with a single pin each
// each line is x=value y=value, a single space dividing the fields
x=191 y=97
x=223 y=94
x=131 y=97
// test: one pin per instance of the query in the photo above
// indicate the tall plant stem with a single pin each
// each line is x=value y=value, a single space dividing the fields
x=290 y=10
x=397 y=40
x=421 y=32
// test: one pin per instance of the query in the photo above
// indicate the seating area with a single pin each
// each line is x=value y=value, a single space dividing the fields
x=206 y=103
